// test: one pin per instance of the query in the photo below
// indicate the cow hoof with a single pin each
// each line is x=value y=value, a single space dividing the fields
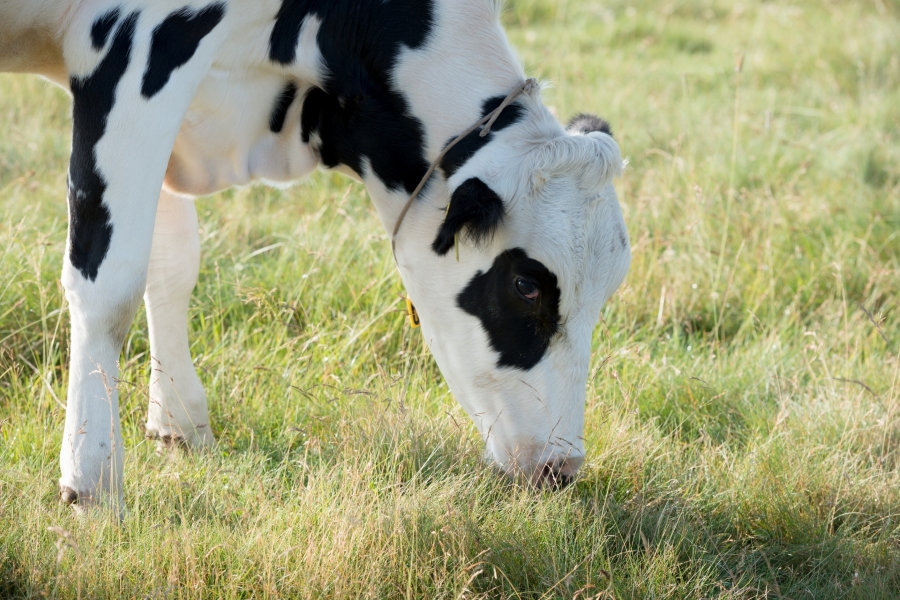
x=171 y=442
x=81 y=503
x=68 y=495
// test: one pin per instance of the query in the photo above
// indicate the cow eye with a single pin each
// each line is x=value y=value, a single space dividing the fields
x=527 y=289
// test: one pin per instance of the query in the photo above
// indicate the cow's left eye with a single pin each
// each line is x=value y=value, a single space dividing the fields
x=527 y=289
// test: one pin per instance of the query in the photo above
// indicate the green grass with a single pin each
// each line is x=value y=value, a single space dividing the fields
x=743 y=411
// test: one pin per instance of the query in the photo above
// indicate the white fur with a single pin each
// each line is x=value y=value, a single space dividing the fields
x=208 y=130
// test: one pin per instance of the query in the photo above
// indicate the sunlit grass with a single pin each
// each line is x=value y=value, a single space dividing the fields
x=743 y=414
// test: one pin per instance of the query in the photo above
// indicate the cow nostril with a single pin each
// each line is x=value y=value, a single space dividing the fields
x=551 y=477
x=547 y=472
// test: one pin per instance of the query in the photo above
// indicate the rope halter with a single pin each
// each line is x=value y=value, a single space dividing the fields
x=488 y=120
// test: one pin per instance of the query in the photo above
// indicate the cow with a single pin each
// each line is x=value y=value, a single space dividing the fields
x=508 y=251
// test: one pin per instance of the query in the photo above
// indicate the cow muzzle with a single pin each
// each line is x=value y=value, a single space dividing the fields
x=556 y=474
x=540 y=469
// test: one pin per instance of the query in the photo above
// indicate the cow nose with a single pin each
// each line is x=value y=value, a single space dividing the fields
x=551 y=478
x=556 y=474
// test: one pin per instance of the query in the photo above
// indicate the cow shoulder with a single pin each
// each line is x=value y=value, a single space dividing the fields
x=356 y=116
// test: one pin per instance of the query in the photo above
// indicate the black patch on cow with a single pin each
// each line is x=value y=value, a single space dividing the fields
x=472 y=143
x=474 y=207
x=90 y=230
x=175 y=41
x=282 y=104
x=102 y=27
x=519 y=329
x=587 y=123
x=286 y=33
x=356 y=113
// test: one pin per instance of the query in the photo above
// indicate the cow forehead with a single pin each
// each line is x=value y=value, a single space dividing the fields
x=554 y=226
x=578 y=236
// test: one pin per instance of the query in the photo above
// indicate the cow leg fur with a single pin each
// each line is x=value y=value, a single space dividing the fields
x=122 y=139
x=178 y=412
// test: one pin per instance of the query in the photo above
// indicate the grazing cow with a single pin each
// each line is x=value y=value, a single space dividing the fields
x=194 y=96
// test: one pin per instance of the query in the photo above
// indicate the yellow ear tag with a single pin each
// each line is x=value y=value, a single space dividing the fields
x=413 y=315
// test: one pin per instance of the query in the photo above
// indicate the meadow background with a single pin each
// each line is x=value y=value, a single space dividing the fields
x=743 y=407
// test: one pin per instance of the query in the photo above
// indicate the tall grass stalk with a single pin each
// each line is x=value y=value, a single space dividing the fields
x=742 y=421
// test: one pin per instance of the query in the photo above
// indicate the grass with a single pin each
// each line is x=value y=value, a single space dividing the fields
x=743 y=411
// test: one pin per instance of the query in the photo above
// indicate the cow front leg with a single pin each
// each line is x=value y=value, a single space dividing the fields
x=103 y=289
x=129 y=100
x=178 y=413
x=91 y=459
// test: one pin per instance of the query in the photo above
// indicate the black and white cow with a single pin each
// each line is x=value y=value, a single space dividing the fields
x=194 y=96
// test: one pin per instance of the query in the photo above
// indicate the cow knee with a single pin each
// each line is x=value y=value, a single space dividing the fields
x=103 y=309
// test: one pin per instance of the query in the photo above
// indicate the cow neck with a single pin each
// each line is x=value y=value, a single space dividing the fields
x=485 y=123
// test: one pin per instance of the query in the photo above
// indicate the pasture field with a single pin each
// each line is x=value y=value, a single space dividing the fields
x=743 y=407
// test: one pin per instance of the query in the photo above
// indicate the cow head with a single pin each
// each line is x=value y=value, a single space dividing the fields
x=541 y=246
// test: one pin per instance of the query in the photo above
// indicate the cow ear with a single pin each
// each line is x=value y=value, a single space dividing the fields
x=585 y=123
x=474 y=207
x=592 y=157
